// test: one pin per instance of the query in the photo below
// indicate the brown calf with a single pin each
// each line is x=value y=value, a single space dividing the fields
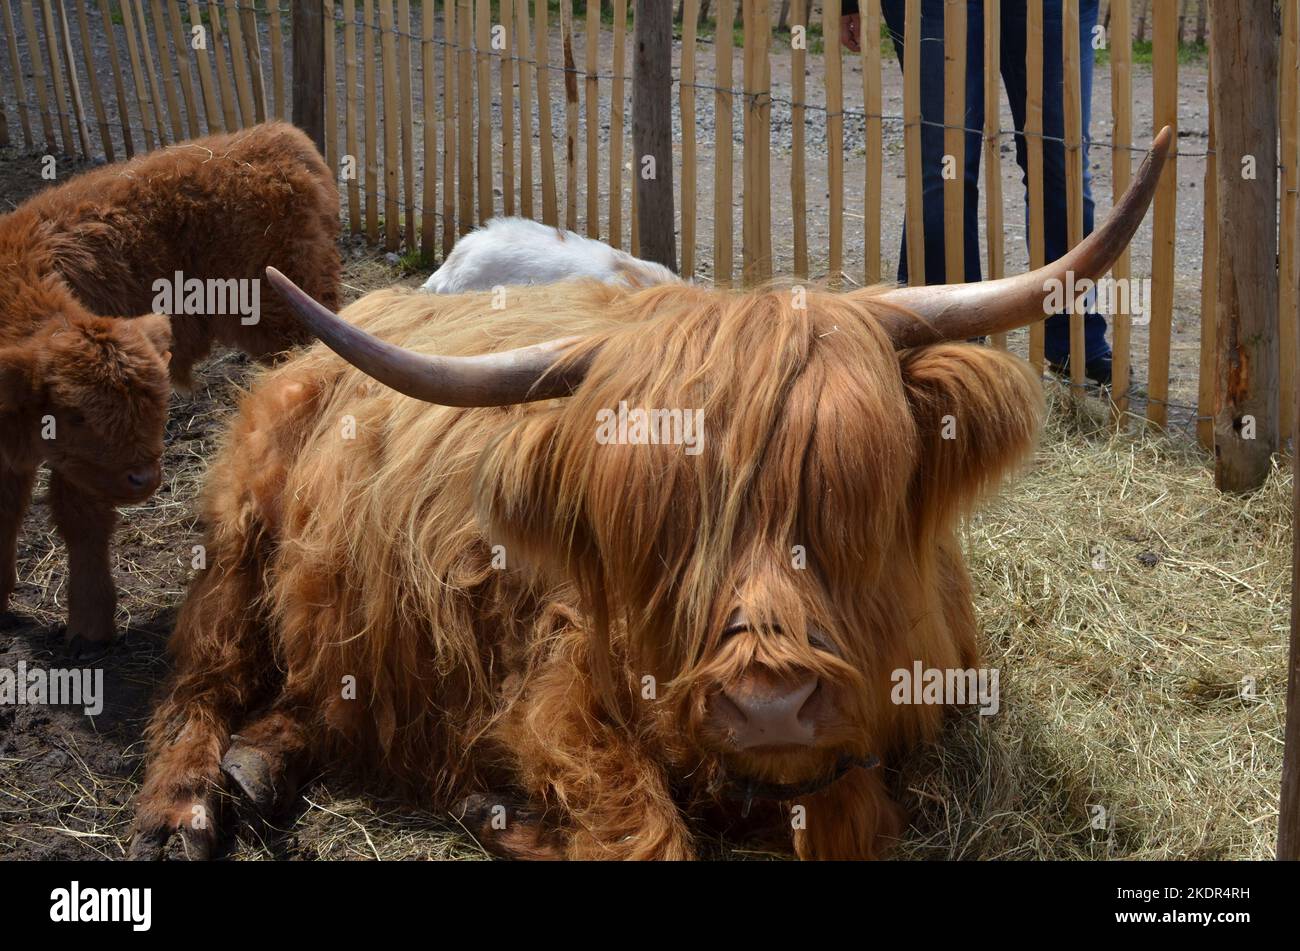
x=84 y=390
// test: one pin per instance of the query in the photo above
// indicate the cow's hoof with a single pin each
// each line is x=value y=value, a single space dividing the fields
x=164 y=844
x=82 y=650
x=249 y=770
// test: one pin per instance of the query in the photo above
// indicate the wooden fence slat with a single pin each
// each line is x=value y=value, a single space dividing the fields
x=276 y=37
x=350 y=114
x=1164 y=79
x=239 y=66
x=331 y=88
x=1034 y=152
x=798 y=145
x=151 y=73
x=915 y=212
x=570 y=117
x=465 y=110
x=38 y=75
x=166 y=67
x=229 y=100
x=371 y=133
x=119 y=85
x=448 y=127
x=954 y=139
x=758 y=142
x=652 y=109
x=406 y=106
x=550 y=206
x=508 y=54
x=1288 y=266
x=1205 y=396
x=592 y=101
x=689 y=193
x=56 y=77
x=523 y=50
x=993 y=148
x=1121 y=97
x=388 y=55
x=137 y=76
x=253 y=47
x=834 y=136
x=20 y=88
x=183 y=68
x=1073 y=171
x=92 y=76
x=428 y=194
x=616 y=107
x=483 y=70
x=872 y=99
x=723 y=189
x=74 y=86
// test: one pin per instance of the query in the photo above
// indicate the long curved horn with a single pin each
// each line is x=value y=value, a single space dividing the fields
x=492 y=379
x=963 y=311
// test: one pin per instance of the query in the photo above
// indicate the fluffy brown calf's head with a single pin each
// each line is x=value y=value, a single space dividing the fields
x=770 y=581
x=90 y=395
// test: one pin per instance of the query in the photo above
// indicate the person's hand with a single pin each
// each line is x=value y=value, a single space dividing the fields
x=851 y=31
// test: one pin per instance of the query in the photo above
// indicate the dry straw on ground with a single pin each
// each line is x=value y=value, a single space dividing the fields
x=1138 y=619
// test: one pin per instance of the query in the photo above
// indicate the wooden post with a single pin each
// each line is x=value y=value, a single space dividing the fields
x=309 y=70
x=16 y=64
x=1245 y=119
x=954 y=139
x=546 y=141
x=798 y=159
x=652 y=85
x=872 y=103
x=1207 y=385
x=915 y=211
x=1034 y=152
x=616 y=109
x=522 y=46
x=690 y=17
x=1288 y=822
x=1288 y=254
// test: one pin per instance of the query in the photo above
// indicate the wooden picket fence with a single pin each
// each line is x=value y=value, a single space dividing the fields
x=440 y=114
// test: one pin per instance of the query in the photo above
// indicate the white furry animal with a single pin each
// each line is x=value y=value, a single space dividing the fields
x=514 y=251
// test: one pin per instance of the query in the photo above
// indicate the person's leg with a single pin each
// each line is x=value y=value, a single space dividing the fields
x=1055 y=217
x=932 y=134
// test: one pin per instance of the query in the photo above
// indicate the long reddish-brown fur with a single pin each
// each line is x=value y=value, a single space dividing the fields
x=570 y=684
x=84 y=389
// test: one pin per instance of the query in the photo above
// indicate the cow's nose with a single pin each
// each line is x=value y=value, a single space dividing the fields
x=144 y=478
x=770 y=714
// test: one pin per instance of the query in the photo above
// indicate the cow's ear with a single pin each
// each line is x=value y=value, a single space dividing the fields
x=18 y=378
x=978 y=412
x=157 y=329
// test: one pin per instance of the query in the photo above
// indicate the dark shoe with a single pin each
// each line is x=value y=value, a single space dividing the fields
x=1098 y=370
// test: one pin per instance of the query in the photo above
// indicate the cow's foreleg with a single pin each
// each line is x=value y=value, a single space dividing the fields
x=268 y=757
x=15 y=491
x=222 y=667
x=86 y=524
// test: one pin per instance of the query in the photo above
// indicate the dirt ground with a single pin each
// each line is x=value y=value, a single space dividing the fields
x=66 y=780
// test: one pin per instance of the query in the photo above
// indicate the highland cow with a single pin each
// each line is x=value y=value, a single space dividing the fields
x=479 y=605
x=509 y=252
x=85 y=356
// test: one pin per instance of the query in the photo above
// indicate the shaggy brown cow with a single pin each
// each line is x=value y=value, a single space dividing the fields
x=85 y=391
x=495 y=609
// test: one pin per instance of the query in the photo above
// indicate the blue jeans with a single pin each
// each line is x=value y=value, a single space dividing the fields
x=1012 y=55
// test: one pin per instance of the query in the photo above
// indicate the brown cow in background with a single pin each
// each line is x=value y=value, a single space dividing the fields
x=84 y=389
x=489 y=608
